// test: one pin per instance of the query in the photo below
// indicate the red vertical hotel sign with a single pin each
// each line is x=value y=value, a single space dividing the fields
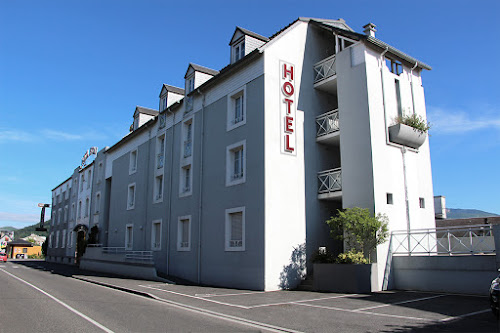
x=288 y=107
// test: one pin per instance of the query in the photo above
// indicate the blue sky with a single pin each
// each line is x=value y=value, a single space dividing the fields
x=72 y=72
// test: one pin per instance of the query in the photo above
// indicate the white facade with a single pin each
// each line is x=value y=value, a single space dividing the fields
x=236 y=179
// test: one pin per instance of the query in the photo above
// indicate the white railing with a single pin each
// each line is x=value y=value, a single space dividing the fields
x=160 y=160
x=145 y=256
x=330 y=180
x=476 y=239
x=327 y=123
x=324 y=69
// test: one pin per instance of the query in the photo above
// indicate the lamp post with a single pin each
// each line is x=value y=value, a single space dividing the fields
x=42 y=217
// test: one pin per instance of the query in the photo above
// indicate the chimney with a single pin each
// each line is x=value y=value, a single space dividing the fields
x=370 y=29
x=440 y=207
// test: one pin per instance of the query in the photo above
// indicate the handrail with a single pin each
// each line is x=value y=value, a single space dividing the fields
x=327 y=123
x=330 y=180
x=324 y=69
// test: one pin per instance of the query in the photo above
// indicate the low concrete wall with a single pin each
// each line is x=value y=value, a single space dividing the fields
x=453 y=274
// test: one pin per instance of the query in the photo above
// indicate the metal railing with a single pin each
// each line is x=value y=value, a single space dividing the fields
x=145 y=256
x=477 y=239
x=159 y=161
x=330 y=180
x=324 y=69
x=327 y=123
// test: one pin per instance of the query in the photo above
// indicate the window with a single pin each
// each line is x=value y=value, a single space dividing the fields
x=236 y=113
x=156 y=235
x=160 y=151
x=133 y=162
x=89 y=179
x=158 y=189
x=163 y=103
x=70 y=239
x=65 y=213
x=99 y=173
x=97 y=203
x=188 y=138
x=186 y=180
x=235 y=164
x=58 y=199
x=73 y=212
x=235 y=229
x=53 y=218
x=50 y=240
x=184 y=234
x=57 y=239
x=395 y=66
x=59 y=213
x=398 y=98
x=87 y=207
x=131 y=197
x=79 y=209
x=63 y=241
x=25 y=250
x=239 y=51
x=190 y=84
x=421 y=202
x=129 y=236
x=82 y=180
x=389 y=199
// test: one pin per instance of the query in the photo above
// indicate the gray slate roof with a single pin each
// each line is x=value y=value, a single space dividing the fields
x=147 y=111
x=173 y=89
x=202 y=69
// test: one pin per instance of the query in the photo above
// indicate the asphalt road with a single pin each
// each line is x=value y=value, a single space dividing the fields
x=46 y=297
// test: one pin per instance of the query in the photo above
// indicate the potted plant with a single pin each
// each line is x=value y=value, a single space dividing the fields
x=352 y=271
x=410 y=130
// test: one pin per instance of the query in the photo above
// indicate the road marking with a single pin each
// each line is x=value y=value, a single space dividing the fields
x=465 y=315
x=447 y=294
x=364 y=312
x=397 y=303
x=102 y=327
x=194 y=309
x=303 y=301
x=236 y=294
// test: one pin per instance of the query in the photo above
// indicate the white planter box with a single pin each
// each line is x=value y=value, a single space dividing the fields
x=406 y=135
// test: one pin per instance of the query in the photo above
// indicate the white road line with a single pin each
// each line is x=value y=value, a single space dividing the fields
x=236 y=294
x=447 y=294
x=102 y=327
x=397 y=303
x=465 y=315
x=365 y=312
x=209 y=313
x=303 y=301
x=196 y=297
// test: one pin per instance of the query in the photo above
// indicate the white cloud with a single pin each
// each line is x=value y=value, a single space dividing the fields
x=15 y=135
x=459 y=121
x=6 y=217
x=58 y=135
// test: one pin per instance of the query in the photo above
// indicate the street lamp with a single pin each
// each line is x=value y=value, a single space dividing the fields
x=42 y=216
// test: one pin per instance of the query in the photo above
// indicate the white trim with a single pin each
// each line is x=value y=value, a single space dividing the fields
x=129 y=243
x=179 y=233
x=184 y=190
x=157 y=196
x=154 y=246
x=227 y=238
x=131 y=206
x=230 y=151
x=131 y=167
x=97 y=208
x=231 y=102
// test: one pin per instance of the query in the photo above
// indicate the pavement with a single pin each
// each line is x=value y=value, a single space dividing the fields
x=305 y=311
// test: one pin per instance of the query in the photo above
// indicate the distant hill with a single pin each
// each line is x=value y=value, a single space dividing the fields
x=457 y=213
x=26 y=231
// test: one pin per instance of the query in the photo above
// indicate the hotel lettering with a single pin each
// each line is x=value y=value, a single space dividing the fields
x=288 y=107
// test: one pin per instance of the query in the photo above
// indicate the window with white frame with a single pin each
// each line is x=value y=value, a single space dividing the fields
x=239 y=51
x=89 y=179
x=236 y=113
x=129 y=236
x=63 y=241
x=97 y=202
x=87 y=207
x=65 y=213
x=156 y=235
x=59 y=215
x=80 y=209
x=133 y=162
x=184 y=233
x=189 y=88
x=236 y=163
x=185 y=181
x=160 y=153
x=235 y=229
x=163 y=102
x=131 y=197
x=158 y=189
x=188 y=138
x=82 y=180
x=50 y=240
x=57 y=239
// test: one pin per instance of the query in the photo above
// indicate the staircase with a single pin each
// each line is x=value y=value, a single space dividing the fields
x=307 y=284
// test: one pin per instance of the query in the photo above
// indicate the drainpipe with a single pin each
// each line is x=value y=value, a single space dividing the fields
x=170 y=187
x=201 y=183
x=411 y=85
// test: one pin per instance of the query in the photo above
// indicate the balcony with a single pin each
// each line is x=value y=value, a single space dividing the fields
x=325 y=75
x=327 y=127
x=330 y=184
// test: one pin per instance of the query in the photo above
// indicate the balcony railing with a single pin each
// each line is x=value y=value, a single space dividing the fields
x=324 y=69
x=327 y=123
x=187 y=148
x=477 y=239
x=160 y=160
x=330 y=181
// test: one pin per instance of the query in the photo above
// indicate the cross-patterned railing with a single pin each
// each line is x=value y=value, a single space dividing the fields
x=324 y=69
x=327 y=123
x=477 y=239
x=330 y=181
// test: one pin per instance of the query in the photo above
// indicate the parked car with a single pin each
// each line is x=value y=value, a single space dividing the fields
x=495 y=296
x=3 y=256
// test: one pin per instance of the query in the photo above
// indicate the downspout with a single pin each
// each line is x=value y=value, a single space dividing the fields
x=170 y=187
x=201 y=184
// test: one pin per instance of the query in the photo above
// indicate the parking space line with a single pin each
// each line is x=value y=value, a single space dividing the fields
x=236 y=294
x=397 y=303
x=196 y=297
x=363 y=312
x=465 y=315
x=303 y=301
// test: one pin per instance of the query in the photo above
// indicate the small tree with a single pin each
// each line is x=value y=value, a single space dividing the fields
x=359 y=229
x=44 y=247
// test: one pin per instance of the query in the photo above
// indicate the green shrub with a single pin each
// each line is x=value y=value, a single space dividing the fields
x=351 y=257
x=323 y=257
x=36 y=256
x=415 y=121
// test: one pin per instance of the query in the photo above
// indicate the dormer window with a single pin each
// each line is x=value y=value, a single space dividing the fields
x=239 y=50
x=163 y=103
x=189 y=85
